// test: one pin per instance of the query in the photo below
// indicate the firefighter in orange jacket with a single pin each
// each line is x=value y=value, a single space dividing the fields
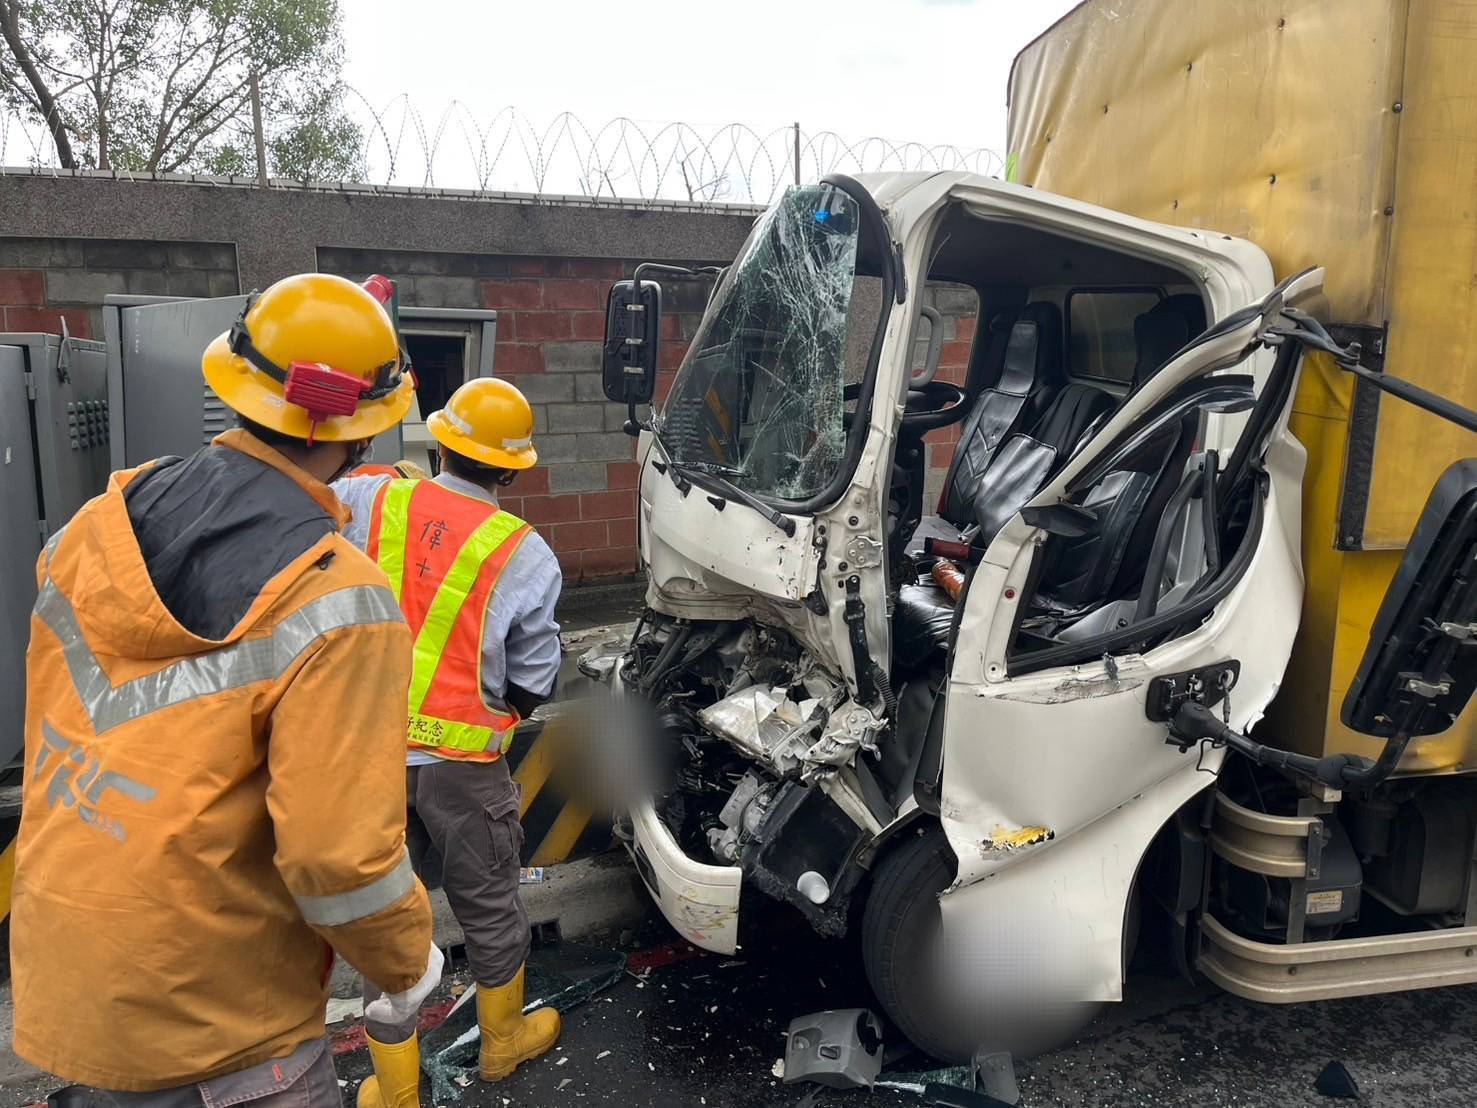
x=478 y=587
x=214 y=796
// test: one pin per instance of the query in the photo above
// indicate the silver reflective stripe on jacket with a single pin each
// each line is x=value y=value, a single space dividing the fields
x=230 y=667
x=342 y=908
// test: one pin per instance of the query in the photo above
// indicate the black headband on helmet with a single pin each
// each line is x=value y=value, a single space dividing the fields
x=387 y=377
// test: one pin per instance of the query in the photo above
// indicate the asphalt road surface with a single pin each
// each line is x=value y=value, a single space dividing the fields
x=685 y=1028
x=707 y=1030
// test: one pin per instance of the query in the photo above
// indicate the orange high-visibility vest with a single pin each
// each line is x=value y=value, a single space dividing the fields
x=443 y=553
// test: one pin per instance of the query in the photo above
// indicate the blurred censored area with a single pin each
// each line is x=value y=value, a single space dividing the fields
x=605 y=751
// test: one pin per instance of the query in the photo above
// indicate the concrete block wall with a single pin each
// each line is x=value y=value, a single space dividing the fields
x=550 y=326
x=44 y=281
x=66 y=241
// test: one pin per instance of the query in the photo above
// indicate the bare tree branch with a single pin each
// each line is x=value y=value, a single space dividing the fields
x=243 y=92
x=45 y=101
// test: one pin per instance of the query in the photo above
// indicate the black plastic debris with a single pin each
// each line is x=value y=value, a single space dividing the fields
x=562 y=976
x=1337 y=1081
x=841 y=1049
x=951 y=1096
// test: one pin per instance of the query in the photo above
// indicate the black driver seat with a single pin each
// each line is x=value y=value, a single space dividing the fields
x=1128 y=504
x=1030 y=374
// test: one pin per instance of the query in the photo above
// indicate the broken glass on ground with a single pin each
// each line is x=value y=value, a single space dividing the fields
x=562 y=976
x=961 y=1077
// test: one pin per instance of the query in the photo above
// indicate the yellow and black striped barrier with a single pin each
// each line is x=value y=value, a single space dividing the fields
x=555 y=828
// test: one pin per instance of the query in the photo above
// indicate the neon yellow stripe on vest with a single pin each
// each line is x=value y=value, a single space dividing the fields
x=441 y=616
x=429 y=731
x=394 y=532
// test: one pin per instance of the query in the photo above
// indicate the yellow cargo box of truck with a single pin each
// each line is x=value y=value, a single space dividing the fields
x=1340 y=133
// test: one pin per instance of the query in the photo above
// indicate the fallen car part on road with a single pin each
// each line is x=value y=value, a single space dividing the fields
x=994 y=1073
x=562 y=976
x=949 y=1096
x=1337 y=1081
x=841 y=1049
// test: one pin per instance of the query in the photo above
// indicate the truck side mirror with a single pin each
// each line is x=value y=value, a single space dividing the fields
x=633 y=316
x=1420 y=667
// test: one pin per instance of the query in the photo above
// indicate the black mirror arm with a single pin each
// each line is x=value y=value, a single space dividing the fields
x=1194 y=722
x=634 y=425
x=1313 y=335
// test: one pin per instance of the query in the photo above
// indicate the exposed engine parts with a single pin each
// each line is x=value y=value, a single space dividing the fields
x=764 y=746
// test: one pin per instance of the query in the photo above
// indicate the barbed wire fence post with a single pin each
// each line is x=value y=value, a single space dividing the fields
x=258 y=131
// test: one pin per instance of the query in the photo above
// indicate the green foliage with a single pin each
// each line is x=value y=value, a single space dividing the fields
x=164 y=85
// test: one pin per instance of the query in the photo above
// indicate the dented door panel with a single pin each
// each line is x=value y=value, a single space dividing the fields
x=1055 y=781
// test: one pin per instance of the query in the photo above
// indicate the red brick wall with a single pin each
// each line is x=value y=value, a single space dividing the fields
x=953 y=365
x=551 y=320
x=23 y=306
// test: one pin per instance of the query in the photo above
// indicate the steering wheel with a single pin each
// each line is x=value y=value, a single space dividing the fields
x=935 y=404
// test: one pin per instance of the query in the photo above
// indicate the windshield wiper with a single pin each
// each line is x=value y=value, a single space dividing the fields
x=713 y=469
x=731 y=491
x=717 y=474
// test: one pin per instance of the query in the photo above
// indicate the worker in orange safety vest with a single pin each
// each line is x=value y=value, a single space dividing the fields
x=213 y=800
x=478 y=588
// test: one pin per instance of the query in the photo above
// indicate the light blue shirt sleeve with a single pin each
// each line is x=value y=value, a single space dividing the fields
x=520 y=638
x=357 y=494
x=520 y=644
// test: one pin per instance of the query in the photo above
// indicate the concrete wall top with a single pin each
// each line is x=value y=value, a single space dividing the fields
x=278 y=229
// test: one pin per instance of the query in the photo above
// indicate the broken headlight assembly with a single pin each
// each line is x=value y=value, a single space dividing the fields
x=763 y=745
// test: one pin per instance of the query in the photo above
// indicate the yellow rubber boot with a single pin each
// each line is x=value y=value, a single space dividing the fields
x=508 y=1036
x=397 y=1075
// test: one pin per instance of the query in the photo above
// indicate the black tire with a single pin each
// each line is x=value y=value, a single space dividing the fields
x=898 y=928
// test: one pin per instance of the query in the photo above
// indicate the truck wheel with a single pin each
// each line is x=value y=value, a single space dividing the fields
x=898 y=931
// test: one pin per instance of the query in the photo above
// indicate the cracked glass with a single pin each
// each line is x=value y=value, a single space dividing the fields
x=762 y=397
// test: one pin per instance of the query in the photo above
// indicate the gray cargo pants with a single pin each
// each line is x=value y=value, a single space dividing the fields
x=304 y=1079
x=469 y=812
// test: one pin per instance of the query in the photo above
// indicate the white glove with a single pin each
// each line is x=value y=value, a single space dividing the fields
x=400 y=1008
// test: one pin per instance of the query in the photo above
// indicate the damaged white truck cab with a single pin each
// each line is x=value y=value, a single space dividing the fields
x=1123 y=502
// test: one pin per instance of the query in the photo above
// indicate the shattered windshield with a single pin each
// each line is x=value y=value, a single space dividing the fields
x=762 y=396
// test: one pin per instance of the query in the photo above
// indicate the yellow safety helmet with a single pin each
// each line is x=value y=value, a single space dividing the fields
x=314 y=357
x=489 y=421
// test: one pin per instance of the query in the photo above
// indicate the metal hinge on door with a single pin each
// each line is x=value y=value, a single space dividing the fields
x=30 y=379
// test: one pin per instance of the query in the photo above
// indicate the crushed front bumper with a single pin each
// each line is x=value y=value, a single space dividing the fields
x=699 y=900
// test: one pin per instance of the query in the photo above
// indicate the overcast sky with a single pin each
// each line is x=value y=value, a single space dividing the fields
x=930 y=71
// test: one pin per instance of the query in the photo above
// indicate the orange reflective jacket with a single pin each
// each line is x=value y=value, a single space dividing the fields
x=206 y=819
x=443 y=552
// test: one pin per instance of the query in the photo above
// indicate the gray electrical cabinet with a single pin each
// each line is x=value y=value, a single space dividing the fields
x=73 y=410
x=54 y=457
x=20 y=543
x=162 y=405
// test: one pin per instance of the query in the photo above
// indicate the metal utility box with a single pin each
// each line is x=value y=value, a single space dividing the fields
x=161 y=405
x=53 y=458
